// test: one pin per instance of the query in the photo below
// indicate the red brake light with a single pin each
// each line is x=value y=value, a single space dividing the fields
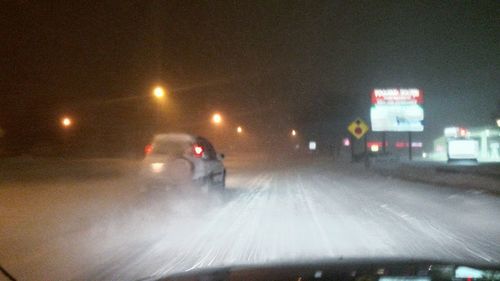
x=148 y=149
x=197 y=151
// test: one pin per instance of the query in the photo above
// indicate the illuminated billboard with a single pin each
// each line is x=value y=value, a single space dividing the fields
x=397 y=96
x=397 y=110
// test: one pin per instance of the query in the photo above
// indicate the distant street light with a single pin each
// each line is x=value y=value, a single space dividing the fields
x=159 y=92
x=66 y=122
x=498 y=122
x=217 y=118
x=294 y=133
x=159 y=95
x=239 y=130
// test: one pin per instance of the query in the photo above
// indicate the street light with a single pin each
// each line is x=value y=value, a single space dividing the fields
x=66 y=122
x=498 y=122
x=216 y=118
x=294 y=133
x=159 y=95
x=239 y=130
x=159 y=92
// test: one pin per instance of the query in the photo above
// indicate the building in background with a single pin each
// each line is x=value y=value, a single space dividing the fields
x=488 y=138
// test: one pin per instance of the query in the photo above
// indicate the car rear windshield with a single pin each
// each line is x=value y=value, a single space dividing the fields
x=170 y=147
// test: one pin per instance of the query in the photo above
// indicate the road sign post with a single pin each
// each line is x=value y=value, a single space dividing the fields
x=352 y=147
x=358 y=129
x=365 y=144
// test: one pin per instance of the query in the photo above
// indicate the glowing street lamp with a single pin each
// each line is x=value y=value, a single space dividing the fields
x=159 y=92
x=239 y=130
x=498 y=122
x=217 y=118
x=294 y=133
x=66 y=122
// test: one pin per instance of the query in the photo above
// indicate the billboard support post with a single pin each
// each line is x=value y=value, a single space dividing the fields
x=365 y=144
x=383 y=143
x=410 y=156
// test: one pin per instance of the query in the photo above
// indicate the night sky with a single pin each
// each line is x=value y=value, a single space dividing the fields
x=269 y=65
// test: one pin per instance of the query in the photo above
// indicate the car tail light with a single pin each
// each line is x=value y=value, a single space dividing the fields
x=197 y=151
x=148 y=149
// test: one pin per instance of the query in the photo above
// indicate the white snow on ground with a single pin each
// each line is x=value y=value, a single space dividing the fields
x=103 y=228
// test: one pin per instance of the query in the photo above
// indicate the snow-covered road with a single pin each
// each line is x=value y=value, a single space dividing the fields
x=273 y=211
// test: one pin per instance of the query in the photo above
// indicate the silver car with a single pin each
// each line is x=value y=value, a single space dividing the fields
x=180 y=159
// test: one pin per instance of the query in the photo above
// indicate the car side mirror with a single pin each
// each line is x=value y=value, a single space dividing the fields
x=221 y=156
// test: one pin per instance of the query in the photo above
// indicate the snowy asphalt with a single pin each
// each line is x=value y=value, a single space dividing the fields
x=105 y=228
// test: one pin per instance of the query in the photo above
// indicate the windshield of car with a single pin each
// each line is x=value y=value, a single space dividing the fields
x=148 y=138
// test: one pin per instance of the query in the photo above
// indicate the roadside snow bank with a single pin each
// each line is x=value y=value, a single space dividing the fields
x=470 y=177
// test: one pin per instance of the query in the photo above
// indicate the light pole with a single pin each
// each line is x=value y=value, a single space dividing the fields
x=66 y=123
x=159 y=96
x=219 y=132
x=294 y=139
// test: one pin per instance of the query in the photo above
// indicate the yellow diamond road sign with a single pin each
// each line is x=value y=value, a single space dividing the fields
x=358 y=128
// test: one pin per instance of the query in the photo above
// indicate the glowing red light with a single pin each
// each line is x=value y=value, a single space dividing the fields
x=373 y=143
x=148 y=149
x=197 y=151
x=401 y=144
x=462 y=132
